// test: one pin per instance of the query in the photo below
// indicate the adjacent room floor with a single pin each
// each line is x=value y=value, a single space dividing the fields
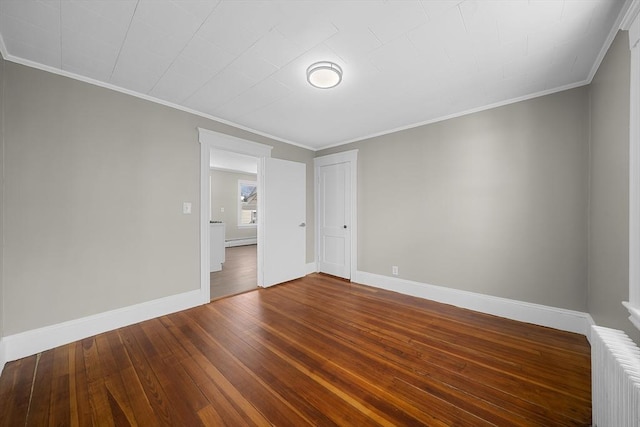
x=239 y=272
x=313 y=351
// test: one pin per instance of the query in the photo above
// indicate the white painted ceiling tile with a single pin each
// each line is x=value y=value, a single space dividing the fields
x=226 y=86
x=449 y=27
x=307 y=33
x=110 y=28
x=436 y=8
x=142 y=36
x=355 y=13
x=572 y=28
x=85 y=65
x=275 y=49
x=167 y=16
x=541 y=13
x=207 y=55
x=32 y=52
x=44 y=15
x=480 y=20
x=427 y=42
x=139 y=70
x=236 y=26
x=303 y=11
x=399 y=56
x=181 y=80
x=263 y=94
x=117 y=12
x=89 y=47
x=397 y=18
x=353 y=43
x=503 y=53
x=251 y=67
x=40 y=39
x=197 y=8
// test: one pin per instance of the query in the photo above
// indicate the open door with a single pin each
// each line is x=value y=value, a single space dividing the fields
x=281 y=218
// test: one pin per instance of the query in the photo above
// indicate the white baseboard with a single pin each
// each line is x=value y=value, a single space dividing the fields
x=3 y=357
x=557 y=318
x=241 y=242
x=34 y=341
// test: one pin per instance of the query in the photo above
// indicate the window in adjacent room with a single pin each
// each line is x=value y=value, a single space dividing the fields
x=247 y=203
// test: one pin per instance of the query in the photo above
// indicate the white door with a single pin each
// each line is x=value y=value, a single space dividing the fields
x=334 y=189
x=282 y=255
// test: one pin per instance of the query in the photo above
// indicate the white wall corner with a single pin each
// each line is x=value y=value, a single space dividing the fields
x=17 y=346
x=311 y=267
x=537 y=314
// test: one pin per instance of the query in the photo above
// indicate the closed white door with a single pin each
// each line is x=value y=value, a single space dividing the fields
x=281 y=221
x=334 y=217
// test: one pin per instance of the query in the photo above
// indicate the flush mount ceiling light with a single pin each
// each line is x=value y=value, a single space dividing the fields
x=324 y=75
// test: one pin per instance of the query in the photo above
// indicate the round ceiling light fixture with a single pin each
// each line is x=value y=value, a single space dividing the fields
x=324 y=75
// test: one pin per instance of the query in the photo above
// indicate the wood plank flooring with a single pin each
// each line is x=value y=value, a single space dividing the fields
x=315 y=351
x=239 y=272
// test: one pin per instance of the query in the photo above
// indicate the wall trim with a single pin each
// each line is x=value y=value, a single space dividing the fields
x=629 y=11
x=215 y=140
x=31 y=342
x=552 y=317
x=64 y=73
x=632 y=21
x=241 y=242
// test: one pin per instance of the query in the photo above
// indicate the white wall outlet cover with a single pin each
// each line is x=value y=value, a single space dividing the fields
x=186 y=208
x=221 y=209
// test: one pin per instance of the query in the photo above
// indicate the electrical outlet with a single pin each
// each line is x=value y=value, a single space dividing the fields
x=394 y=270
x=221 y=209
x=186 y=208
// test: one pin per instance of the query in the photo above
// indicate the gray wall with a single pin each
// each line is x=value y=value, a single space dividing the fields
x=224 y=194
x=90 y=224
x=493 y=202
x=609 y=190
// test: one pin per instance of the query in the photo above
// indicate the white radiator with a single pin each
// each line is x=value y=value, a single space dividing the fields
x=615 y=375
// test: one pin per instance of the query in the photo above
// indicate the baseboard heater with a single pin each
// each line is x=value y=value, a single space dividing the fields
x=615 y=379
x=241 y=242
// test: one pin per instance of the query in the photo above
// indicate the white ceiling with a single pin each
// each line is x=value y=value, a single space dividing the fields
x=244 y=62
x=234 y=162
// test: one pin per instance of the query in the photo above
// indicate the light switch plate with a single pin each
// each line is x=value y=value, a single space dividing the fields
x=186 y=208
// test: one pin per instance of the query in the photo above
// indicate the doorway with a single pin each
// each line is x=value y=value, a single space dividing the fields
x=233 y=216
x=336 y=216
x=279 y=219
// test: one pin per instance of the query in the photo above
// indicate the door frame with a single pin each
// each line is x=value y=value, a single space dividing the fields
x=214 y=140
x=350 y=157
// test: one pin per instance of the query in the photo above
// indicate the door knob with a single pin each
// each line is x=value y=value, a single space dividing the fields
x=344 y=226
x=302 y=224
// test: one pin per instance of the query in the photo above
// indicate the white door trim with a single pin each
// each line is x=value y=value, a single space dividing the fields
x=213 y=140
x=350 y=157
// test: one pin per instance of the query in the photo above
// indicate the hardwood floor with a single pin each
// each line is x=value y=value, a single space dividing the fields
x=239 y=272
x=315 y=351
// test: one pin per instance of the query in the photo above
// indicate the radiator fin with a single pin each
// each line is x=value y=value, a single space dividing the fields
x=615 y=375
